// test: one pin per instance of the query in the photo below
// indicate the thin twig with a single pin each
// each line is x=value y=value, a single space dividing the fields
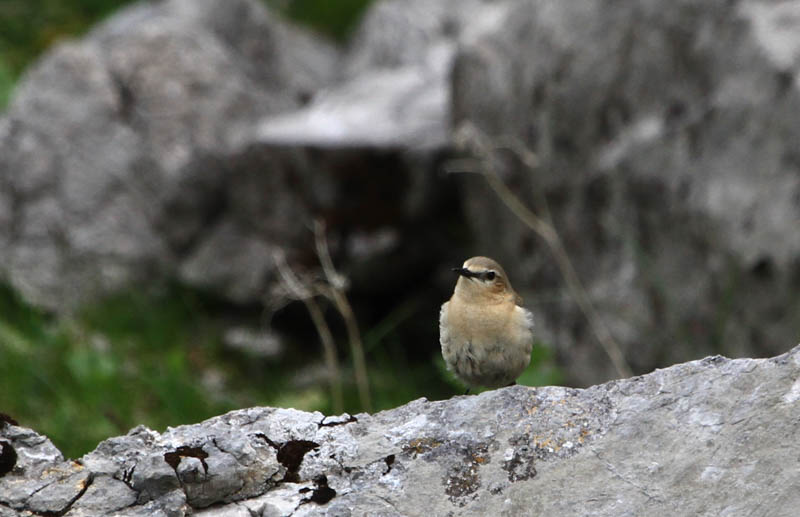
x=300 y=291
x=336 y=292
x=470 y=137
x=329 y=347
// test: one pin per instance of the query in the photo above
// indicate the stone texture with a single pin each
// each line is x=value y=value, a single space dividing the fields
x=667 y=141
x=709 y=437
x=107 y=144
x=203 y=137
x=395 y=90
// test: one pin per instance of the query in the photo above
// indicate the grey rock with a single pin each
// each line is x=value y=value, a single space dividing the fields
x=667 y=146
x=105 y=146
x=397 y=108
x=59 y=494
x=395 y=89
x=714 y=436
x=188 y=152
x=8 y=512
x=103 y=496
x=36 y=477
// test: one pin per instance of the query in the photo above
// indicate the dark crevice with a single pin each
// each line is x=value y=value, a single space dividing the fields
x=6 y=420
x=184 y=451
x=763 y=269
x=290 y=455
x=272 y=444
x=127 y=478
x=126 y=100
x=389 y=462
x=321 y=493
x=8 y=457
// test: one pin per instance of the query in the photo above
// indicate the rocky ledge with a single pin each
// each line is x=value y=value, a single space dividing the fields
x=709 y=437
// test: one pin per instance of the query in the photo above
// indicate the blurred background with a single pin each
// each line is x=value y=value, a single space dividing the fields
x=207 y=205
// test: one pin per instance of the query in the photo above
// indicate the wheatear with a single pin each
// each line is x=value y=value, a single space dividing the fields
x=486 y=336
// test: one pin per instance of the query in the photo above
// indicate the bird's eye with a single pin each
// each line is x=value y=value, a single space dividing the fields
x=490 y=275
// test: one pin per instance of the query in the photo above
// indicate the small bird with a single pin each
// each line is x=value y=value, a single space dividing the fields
x=486 y=336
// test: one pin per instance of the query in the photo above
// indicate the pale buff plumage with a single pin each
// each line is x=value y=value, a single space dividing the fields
x=486 y=336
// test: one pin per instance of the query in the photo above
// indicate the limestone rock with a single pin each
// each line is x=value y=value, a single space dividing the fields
x=714 y=436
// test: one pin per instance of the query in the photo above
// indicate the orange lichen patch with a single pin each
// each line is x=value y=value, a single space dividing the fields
x=479 y=459
x=421 y=445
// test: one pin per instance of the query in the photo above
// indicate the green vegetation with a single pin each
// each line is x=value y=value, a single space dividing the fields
x=336 y=19
x=28 y=27
x=158 y=360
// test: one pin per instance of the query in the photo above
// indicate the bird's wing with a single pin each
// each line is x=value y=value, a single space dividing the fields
x=444 y=335
x=528 y=318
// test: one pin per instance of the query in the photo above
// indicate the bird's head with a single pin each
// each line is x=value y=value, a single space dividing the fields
x=483 y=280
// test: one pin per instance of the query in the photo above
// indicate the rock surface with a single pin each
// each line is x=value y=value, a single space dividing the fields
x=667 y=141
x=709 y=437
x=106 y=151
x=174 y=141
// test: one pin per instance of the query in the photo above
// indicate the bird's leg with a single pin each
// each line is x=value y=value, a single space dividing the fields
x=467 y=392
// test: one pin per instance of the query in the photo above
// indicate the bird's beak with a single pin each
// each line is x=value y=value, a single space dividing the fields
x=465 y=272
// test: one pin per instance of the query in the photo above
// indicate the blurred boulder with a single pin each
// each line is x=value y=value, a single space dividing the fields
x=195 y=139
x=667 y=137
x=709 y=437
x=395 y=88
x=110 y=148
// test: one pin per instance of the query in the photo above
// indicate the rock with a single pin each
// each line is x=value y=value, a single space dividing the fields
x=710 y=436
x=107 y=144
x=202 y=139
x=396 y=89
x=667 y=148
x=104 y=496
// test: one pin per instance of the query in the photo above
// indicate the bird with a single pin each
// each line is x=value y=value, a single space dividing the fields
x=485 y=333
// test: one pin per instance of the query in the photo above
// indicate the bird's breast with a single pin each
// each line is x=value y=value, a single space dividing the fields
x=487 y=324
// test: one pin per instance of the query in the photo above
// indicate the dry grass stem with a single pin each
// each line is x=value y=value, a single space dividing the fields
x=335 y=291
x=299 y=290
x=474 y=141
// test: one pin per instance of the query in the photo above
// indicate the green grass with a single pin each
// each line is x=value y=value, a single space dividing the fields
x=336 y=19
x=125 y=362
x=158 y=360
